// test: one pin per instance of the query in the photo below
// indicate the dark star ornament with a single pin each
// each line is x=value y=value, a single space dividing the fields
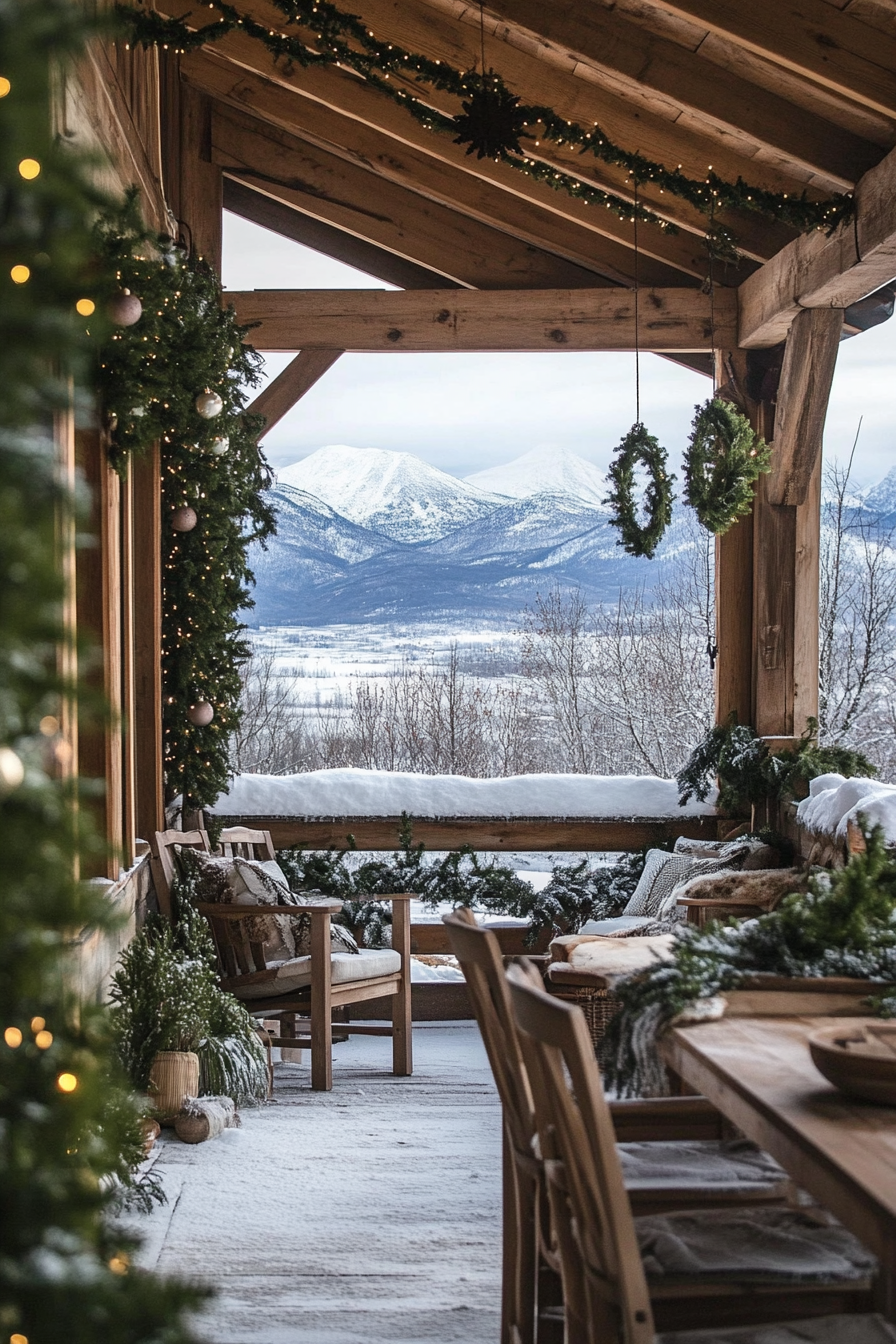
x=492 y=120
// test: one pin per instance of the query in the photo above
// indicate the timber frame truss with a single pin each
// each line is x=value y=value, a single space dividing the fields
x=796 y=96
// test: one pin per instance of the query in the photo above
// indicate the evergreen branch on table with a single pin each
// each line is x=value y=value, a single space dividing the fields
x=844 y=926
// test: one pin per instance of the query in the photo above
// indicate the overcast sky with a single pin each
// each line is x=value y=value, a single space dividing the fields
x=467 y=412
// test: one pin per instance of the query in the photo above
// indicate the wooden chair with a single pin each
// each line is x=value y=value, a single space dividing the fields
x=607 y=1296
x=662 y=1122
x=311 y=993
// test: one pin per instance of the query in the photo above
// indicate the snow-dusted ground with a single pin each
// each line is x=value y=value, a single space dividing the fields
x=366 y=1215
x=384 y=793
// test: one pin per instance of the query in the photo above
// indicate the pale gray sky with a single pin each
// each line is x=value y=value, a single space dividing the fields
x=463 y=413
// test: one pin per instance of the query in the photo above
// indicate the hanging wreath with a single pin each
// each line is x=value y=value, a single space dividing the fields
x=724 y=458
x=640 y=447
x=491 y=122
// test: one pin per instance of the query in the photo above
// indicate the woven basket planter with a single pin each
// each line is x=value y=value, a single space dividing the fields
x=173 y=1076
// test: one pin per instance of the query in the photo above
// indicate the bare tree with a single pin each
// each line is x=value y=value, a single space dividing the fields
x=857 y=622
x=558 y=654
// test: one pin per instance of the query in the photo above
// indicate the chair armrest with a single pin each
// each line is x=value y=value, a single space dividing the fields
x=649 y=1118
x=390 y=896
x=222 y=911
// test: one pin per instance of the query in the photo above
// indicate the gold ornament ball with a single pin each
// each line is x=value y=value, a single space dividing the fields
x=220 y=445
x=201 y=714
x=12 y=770
x=184 y=519
x=209 y=404
x=124 y=309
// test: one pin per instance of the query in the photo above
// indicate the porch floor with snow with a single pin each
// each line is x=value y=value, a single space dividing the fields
x=366 y=1215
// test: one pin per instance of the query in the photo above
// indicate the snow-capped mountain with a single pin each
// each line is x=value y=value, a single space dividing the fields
x=881 y=498
x=544 y=470
x=395 y=494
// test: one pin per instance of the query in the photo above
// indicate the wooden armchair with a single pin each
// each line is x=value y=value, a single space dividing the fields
x=303 y=991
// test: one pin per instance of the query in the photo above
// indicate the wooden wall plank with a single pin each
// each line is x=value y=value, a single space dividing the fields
x=450 y=320
x=128 y=717
x=483 y=833
x=806 y=377
x=148 y=746
x=806 y=602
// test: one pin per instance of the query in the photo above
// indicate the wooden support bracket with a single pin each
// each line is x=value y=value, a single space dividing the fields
x=282 y=393
x=809 y=359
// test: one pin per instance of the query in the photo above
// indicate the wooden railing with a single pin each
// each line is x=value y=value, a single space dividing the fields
x=486 y=834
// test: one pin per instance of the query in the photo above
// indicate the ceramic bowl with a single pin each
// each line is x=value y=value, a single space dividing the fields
x=857 y=1072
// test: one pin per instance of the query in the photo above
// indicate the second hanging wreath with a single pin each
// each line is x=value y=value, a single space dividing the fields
x=724 y=458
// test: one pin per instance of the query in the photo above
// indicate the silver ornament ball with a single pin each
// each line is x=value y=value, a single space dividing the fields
x=12 y=770
x=184 y=519
x=124 y=309
x=201 y=714
x=209 y=404
x=220 y=445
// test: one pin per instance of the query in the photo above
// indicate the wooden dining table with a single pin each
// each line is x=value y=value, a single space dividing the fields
x=759 y=1073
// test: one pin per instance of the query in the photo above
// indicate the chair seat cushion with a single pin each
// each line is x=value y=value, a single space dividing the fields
x=620 y=926
x=345 y=968
x=708 y=1166
x=750 y=1245
x=821 y=1330
x=608 y=959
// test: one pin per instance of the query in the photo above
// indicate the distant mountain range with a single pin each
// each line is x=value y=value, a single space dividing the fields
x=367 y=536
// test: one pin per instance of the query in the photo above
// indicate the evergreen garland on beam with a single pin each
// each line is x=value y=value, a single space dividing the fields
x=178 y=376
x=492 y=119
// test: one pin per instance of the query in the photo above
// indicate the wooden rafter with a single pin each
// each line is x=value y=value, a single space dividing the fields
x=453 y=320
x=348 y=118
x=809 y=37
x=350 y=197
x=610 y=42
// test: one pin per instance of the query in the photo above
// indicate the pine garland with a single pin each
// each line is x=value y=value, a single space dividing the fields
x=184 y=344
x=724 y=459
x=845 y=925
x=639 y=447
x=495 y=119
x=70 y=1138
x=748 y=773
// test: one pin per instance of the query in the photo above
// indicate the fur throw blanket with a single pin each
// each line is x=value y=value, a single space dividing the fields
x=763 y=889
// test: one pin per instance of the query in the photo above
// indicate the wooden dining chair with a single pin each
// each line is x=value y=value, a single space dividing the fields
x=608 y=1296
x=652 y=1132
x=301 y=991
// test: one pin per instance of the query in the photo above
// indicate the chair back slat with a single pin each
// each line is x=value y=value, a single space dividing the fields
x=246 y=843
x=603 y=1274
x=482 y=963
x=164 y=867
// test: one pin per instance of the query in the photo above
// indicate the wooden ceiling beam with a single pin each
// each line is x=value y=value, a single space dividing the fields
x=809 y=37
x=817 y=271
x=476 y=320
x=353 y=200
x=606 y=40
x=502 y=198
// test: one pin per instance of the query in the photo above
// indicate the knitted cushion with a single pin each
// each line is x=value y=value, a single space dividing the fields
x=820 y=1330
x=750 y=1245
x=710 y=1166
x=664 y=872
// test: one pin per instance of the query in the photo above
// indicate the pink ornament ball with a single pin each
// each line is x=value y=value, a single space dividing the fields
x=184 y=519
x=201 y=714
x=124 y=309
